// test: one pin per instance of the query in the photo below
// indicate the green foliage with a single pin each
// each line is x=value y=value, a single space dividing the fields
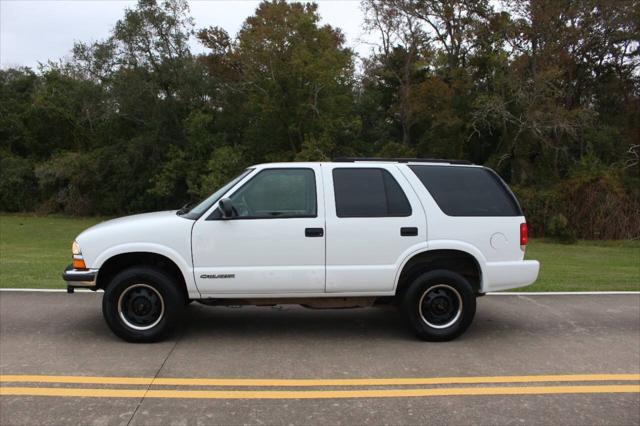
x=66 y=182
x=396 y=149
x=290 y=78
x=594 y=201
x=18 y=187
x=545 y=92
x=166 y=183
x=559 y=229
x=225 y=163
x=316 y=149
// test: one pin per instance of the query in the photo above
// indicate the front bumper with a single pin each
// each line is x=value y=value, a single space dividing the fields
x=79 y=279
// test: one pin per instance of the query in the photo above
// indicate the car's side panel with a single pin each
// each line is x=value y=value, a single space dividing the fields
x=364 y=253
x=497 y=238
x=183 y=264
x=432 y=245
x=494 y=276
x=255 y=256
x=258 y=256
x=162 y=233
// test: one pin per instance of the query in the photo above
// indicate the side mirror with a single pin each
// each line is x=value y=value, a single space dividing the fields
x=226 y=208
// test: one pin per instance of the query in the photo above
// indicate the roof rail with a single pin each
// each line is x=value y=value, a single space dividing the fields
x=400 y=160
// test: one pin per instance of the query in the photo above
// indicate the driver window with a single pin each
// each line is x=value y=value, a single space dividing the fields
x=277 y=193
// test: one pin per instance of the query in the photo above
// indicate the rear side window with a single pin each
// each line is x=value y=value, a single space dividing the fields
x=368 y=192
x=468 y=191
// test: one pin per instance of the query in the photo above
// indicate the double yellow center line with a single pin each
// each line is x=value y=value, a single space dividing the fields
x=563 y=384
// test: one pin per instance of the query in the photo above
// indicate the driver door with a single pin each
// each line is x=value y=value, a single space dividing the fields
x=274 y=242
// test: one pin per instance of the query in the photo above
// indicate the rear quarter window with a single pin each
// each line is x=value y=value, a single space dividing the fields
x=468 y=191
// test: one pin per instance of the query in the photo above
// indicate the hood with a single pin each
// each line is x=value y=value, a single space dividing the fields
x=139 y=227
x=132 y=220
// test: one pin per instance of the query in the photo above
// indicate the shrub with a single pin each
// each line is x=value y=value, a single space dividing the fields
x=559 y=229
x=66 y=182
x=225 y=163
x=18 y=186
x=596 y=204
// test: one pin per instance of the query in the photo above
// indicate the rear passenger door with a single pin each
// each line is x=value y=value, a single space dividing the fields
x=373 y=220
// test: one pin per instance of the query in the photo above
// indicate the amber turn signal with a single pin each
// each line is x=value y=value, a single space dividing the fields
x=79 y=264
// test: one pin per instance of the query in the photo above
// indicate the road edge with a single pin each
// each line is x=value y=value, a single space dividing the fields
x=502 y=293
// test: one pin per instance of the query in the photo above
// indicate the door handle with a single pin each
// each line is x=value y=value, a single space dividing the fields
x=313 y=232
x=409 y=232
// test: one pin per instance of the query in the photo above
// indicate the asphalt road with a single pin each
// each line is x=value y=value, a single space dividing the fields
x=48 y=339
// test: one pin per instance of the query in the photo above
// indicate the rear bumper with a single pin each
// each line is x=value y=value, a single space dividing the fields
x=80 y=279
x=506 y=275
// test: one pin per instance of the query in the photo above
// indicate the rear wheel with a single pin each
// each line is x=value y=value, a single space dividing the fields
x=439 y=305
x=142 y=304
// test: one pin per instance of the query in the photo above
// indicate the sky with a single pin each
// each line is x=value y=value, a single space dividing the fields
x=33 y=31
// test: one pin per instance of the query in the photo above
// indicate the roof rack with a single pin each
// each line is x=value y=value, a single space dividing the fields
x=400 y=160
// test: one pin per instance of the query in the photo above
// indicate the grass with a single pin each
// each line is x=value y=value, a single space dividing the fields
x=35 y=249
x=586 y=266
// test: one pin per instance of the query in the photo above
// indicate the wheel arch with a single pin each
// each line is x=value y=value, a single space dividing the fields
x=119 y=262
x=453 y=259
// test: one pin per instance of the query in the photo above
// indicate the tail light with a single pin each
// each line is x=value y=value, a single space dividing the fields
x=524 y=235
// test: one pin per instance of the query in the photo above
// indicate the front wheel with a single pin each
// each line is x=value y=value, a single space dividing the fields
x=439 y=305
x=142 y=304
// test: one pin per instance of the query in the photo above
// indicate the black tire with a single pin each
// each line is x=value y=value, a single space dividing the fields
x=439 y=305
x=157 y=308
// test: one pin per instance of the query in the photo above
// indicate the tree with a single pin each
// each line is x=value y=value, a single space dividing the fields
x=547 y=92
x=290 y=78
x=150 y=83
x=398 y=61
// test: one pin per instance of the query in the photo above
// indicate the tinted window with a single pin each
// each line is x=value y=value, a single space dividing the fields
x=468 y=191
x=368 y=193
x=277 y=193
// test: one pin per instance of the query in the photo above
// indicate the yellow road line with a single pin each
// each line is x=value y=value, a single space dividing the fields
x=360 y=393
x=316 y=382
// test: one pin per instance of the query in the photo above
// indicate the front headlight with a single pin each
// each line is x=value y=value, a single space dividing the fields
x=75 y=248
x=78 y=260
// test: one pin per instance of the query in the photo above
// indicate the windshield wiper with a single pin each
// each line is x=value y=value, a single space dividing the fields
x=185 y=209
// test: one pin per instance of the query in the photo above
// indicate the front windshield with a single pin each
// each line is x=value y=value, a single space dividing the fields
x=204 y=205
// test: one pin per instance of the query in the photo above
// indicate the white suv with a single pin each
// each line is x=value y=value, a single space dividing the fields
x=427 y=235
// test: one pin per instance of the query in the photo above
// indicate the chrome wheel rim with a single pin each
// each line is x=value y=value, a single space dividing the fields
x=140 y=307
x=440 y=306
